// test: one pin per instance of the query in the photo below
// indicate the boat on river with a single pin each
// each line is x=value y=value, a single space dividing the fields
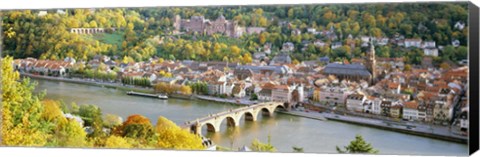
x=159 y=96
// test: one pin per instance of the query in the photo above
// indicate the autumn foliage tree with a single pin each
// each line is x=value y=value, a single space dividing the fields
x=170 y=136
x=22 y=123
x=51 y=110
x=69 y=133
x=137 y=126
x=117 y=142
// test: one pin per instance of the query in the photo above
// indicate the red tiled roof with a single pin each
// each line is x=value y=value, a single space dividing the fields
x=393 y=85
x=411 y=104
x=268 y=85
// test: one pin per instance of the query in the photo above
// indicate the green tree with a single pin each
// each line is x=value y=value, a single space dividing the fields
x=111 y=120
x=297 y=149
x=358 y=146
x=262 y=147
x=69 y=133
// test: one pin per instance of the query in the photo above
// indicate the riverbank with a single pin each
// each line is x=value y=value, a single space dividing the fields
x=414 y=129
x=240 y=102
x=304 y=114
x=93 y=83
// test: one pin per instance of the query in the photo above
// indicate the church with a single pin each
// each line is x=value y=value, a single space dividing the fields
x=355 y=72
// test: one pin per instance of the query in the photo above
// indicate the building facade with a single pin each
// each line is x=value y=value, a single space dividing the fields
x=200 y=25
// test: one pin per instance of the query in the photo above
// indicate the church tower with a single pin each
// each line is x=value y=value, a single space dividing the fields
x=371 y=62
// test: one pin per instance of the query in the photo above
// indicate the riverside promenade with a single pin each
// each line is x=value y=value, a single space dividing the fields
x=224 y=100
x=90 y=82
x=438 y=132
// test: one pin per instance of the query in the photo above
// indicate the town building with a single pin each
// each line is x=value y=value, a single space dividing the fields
x=396 y=110
x=410 y=110
x=385 y=108
x=334 y=96
x=282 y=93
x=413 y=43
x=430 y=52
x=355 y=72
x=354 y=102
x=281 y=58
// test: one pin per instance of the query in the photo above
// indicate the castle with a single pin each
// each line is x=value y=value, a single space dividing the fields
x=200 y=25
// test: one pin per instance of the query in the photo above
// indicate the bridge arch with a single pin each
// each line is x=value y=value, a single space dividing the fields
x=210 y=128
x=249 y=116
x=230 y=121
x=266 y=111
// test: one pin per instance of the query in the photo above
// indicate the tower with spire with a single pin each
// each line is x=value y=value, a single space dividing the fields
x=371 y=62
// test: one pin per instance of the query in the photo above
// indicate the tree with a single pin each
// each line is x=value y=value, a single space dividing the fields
x=137 y=126
x=111 y=120
x=262 y=147
x=247 y=58
x=117 y=142
x=89 y=113
x=21 y=110
x=407 y=67
x=186 y=90
x=445 y=66
x=254 y=97
x=170 y=136
x=69 y=133
x=358 y=146
x=92 y=116
x=297 y=149
x=52 y=111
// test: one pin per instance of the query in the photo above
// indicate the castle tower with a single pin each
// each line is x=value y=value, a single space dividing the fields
x=371 y=62
x=177 y=22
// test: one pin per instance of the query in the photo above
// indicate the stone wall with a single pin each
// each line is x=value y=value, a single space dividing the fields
x=90 y=30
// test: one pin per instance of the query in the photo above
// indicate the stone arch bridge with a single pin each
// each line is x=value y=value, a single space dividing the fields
x=233 y=116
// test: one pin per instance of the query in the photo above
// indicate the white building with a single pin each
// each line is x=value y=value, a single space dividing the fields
x=334 y=95
x=282 y=93
x=430 y=52
x=354 y=102
x=429 y=44
x=410 y=110
x=413 y=43
x=42 y=13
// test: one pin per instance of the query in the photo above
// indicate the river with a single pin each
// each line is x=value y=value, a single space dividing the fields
x=313 y=136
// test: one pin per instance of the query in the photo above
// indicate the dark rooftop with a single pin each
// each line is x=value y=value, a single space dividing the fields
x=346 y=69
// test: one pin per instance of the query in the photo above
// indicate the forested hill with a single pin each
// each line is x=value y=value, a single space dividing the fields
x=140 y=30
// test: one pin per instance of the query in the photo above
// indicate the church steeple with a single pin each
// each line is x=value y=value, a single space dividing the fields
x=371 y=61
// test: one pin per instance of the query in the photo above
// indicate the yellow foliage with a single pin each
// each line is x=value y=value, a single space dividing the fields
x=51 y=110
x=170 y=136
x=186 y=90
x=69 y=133
x=21 y=110
x=117 y=142
x=23 y=136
